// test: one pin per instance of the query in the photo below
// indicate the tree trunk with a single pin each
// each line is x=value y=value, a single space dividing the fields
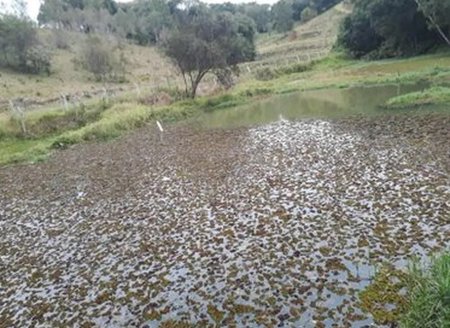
x=442 y=34
x=433 y=22
x=195 y=82
x=194 y=89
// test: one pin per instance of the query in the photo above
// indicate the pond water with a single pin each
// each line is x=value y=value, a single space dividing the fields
x=264 y=223
x=325 y=103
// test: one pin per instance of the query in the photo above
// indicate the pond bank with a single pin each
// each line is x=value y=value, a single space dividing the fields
x=98 y=121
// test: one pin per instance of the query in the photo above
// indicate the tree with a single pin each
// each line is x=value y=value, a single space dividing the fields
x=323 y=5
x=307 y=14
x=205 y=41
x=386 y=28
x=19 y=46
x=437 y=13
x=282 y=15
x=55 y=12
x=151 y=18
x=298 y=7
x=259 y=13
x=101 y=59
x=78 y=15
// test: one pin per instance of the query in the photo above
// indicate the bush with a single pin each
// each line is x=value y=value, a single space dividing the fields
x=385 y=28
x=296 y=68
x=266 y=74
x=19 y=46
x=37 y=60
x=102 y=60
x=59 y=38
x=429 y=295
x=307 y=14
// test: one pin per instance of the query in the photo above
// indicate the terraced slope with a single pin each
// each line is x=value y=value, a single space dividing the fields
x=145 y=67
x=311 y=40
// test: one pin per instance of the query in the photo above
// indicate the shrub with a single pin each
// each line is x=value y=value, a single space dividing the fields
x=266 y=74
x=307 y=14
x=38 y=60
x=102 y=60
x=19 y=46
x=59 y=38
x=429 y=295
x=296 y=68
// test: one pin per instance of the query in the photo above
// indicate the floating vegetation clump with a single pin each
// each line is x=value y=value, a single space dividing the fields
x=275 y=225
x=384 y=298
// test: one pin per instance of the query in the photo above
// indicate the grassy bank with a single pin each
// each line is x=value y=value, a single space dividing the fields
x=431 y=96
x=53 y=128
x=50 y=128
x=419 y=297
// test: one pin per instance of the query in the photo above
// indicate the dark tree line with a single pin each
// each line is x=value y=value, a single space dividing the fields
x=391 y=28
x=146 y=20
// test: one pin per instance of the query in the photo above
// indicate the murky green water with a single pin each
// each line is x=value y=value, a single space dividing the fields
x=326 y=103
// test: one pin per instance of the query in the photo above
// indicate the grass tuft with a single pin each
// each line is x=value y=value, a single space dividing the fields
x=431 y=96
x=428 y=294
x=417 y=298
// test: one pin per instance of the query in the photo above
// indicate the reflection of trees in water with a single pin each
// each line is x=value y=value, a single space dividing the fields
x=319 y=104
x=365 y=99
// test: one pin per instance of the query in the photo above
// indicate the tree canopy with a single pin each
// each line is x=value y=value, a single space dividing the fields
x=20 y=49
x=389 y=28
x=206 y=41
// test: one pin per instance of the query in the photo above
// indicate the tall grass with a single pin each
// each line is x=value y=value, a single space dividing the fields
x=416 y=298
x=428 y=295
x=431 y=96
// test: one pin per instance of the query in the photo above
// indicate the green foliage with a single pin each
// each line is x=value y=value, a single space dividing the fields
x=219 y=102
x=386 y=28
x=19 y=46
x=269 y=73
x=266 y=74
x=206 y=41
x=282 y=15
x=431 y=96
x=150 y=19
x=426 y=302
x=260 y=13
x=383 y=299
x=437 y=13
x=38 y=60
x=299 y=6
x=286 y=12
x=75 y=14
x=307 y=14
x=428 y=294
x=323 y=5
x=102 y=60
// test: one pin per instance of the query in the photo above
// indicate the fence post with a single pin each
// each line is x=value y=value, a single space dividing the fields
x=19 y=113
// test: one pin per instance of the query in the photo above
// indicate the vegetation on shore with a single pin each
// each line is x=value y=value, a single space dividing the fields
x=419 y=297
x=430 y=96
x=56 y=127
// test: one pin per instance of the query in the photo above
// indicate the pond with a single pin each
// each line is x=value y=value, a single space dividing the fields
x=259 y=223
x=325 y=103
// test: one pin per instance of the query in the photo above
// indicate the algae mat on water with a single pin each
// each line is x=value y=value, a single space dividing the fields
x=275 y=225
